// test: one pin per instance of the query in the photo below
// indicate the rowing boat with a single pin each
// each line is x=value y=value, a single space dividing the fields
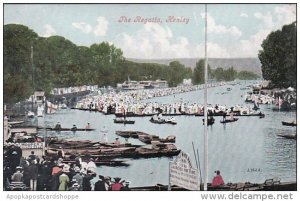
x=104 y=162
x=129 y=134
x=229 y=120
x=66 y=129
x=123 y=121
x=209 y=121
x=288 y=136
x=289 y=123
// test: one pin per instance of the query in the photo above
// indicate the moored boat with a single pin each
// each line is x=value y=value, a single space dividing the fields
x=129 y=134
x=209 y=121
x=289 y=136
x=171 y=121
x=157 y=121
x=229 y=120
x=104 y=162
x=148 y=139
x=293 y=123
x=123 y=121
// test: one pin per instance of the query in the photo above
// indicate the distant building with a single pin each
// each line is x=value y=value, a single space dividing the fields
x=145 y=84
x=187 y=82
x=39 y=96
x=69 y=90
x=161 y=83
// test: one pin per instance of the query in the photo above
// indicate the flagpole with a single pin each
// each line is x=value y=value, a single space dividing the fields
x=205 y=109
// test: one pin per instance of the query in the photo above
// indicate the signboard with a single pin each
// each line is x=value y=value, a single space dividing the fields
x=30 y=145
x=183 y=174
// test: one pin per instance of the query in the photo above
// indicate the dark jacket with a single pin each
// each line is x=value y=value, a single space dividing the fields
x=86 y=182
x=100 y=186
x=33 y=171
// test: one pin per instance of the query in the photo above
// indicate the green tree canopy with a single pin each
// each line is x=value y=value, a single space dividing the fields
x=57 y=62
x=279 y=55
x=198 y=77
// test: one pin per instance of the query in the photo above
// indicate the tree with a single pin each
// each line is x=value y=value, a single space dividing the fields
x=17 y=62
x=177 y=71
x=198 y=77
x=278 y=57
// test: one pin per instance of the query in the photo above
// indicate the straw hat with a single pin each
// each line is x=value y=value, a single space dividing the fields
x=75 y=185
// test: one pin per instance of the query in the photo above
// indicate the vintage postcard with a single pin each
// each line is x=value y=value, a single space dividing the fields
x=150 y=97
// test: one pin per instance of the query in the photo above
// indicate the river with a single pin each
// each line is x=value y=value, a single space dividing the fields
x=246 y=150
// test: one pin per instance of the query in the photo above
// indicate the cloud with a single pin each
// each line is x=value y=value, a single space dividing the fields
x=244 y=15
x=267 y=19
x=285 y=14
x=212 y=27
x=84 y=27
x=101 y=27
x=271 y=21
x=214 y=50
x=49 y=31
x=155 y=41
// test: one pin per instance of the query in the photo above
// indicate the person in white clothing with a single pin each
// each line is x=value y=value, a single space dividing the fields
x=91 y=165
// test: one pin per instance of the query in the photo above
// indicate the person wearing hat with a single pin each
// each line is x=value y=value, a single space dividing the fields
x=57 y=126
x=91 y=165
x=75 y=187
x=126 y=187
x=33 y=175
x=45 y=175
x=78 y=177
x=57 y=168
x=100 y=184
x=64 y=179
x=117 y=185
x=86 y=182
x=60 y=154
x=74 y=128
x=218 y=180
x=56 y=172
x=72 y=181
x=107 y=183
x=32 y=156
x=88 y=126
x=117 y=141
x=17 y=176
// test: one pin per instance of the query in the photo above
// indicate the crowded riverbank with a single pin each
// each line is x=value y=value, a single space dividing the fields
x=253 y=135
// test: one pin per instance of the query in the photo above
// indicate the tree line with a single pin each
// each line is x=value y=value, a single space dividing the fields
x=220 y=74
x=33 y=63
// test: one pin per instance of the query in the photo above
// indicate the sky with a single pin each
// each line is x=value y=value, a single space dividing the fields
x=158 y=31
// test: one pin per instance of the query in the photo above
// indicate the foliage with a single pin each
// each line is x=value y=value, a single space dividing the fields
x=246 y=75
x=220 y=74
x=57 y=62
x=198 y=77
x=279 y=56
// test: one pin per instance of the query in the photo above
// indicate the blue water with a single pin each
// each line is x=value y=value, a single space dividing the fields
x=247 y=150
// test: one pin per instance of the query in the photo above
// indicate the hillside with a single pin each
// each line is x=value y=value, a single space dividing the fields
x=248 y=64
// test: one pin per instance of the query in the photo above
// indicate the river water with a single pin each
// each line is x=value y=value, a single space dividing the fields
x=246 y=150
